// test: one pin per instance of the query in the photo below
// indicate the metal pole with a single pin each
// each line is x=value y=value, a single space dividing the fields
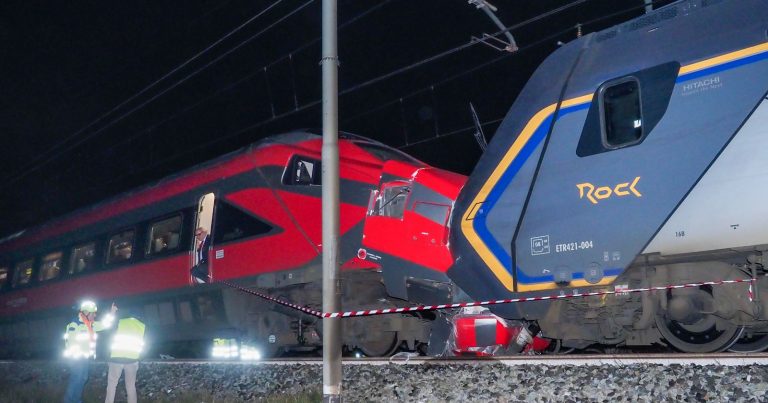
x=648 y=6
x=330 y=164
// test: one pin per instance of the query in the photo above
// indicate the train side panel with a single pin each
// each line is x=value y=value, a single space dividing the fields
x=727 y=207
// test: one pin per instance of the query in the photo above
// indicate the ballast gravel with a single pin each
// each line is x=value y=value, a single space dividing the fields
x=486 y=381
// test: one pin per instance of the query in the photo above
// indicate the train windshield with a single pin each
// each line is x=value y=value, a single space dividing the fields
x=391 y=201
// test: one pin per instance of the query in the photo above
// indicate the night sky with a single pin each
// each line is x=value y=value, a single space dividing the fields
x=70 y=139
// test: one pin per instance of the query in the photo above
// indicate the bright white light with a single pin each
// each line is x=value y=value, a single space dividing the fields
x=248 y=353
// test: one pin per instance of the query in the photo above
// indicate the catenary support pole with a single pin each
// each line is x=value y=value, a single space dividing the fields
x=330 y=178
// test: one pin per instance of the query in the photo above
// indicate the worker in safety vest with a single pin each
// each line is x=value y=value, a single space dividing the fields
x=80 y=346
x=225 y=348
x=126 y=348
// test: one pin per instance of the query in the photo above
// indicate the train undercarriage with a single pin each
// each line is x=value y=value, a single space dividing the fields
x=706 y=318
x=700 y=319
x=275 y=329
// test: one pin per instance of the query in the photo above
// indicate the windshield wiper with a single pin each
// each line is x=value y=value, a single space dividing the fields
x=403 y=190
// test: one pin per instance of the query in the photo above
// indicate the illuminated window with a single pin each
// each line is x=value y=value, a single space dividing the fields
x=82 y=258
x=3 y=276
x=622 y=119
x=51 y=266
x=164 y=235
x=22 y=273
x=120 y=247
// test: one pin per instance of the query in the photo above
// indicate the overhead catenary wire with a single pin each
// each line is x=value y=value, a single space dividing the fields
x=297 y=108
x=37 y=166
x=289 y=56
x=476 y=68
x=36 y=163
x=496 y=120
x=98 y=82
x=389 y=75
x=369 y=82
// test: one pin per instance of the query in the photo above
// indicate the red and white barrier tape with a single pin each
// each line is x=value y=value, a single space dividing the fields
x=372 y=312
x=275 y=300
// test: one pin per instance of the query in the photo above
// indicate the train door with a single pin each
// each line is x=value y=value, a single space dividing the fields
x=202 y=270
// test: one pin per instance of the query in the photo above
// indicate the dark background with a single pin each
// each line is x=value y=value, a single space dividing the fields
x=76 y=127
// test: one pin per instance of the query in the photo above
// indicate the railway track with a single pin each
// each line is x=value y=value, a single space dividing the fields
x=720 y=359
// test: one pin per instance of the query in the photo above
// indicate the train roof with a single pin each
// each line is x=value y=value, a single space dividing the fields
x=288 y=138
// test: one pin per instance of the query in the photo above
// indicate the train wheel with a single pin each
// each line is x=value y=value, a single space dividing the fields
x=754 y=343
x=382 y=346
x=700 y=337
x=700 y=332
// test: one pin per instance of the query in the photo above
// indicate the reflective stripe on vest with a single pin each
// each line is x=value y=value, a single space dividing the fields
x=128 y=341
x=79 y=342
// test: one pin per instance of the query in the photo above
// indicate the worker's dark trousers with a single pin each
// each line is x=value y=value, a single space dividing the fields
x=78 y=376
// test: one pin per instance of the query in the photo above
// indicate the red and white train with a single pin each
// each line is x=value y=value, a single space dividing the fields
x=262 y=208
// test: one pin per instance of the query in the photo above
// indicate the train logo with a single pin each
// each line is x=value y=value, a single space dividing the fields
x=603 y=192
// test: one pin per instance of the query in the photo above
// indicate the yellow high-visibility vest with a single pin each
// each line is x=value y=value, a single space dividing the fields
x=225 y=348
x=79 y=342
x=128 y=340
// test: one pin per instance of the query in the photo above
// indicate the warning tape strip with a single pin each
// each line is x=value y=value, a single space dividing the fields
x=419 y=308
x=273 y=299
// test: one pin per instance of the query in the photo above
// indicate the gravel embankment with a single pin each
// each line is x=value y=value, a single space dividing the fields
x=432 y=382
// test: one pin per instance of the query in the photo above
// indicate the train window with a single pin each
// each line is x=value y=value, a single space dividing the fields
x=151 y=314
x=51 y=266
x=185 y=312
x=391 y=201
x=22 y=272
x=164 y=235
x=82 y=258
x=206 y=308
x=120 y=247
x=625 y=111
x=303 y=171
x=167 y=315
x=232 y=224
x=436 y=212
x=3 y=276
x=621 y=115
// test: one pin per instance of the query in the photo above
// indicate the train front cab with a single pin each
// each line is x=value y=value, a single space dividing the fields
x=407 y=230
x=617 y=168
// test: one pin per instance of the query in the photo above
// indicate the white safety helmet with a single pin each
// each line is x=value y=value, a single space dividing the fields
x=88 y=307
